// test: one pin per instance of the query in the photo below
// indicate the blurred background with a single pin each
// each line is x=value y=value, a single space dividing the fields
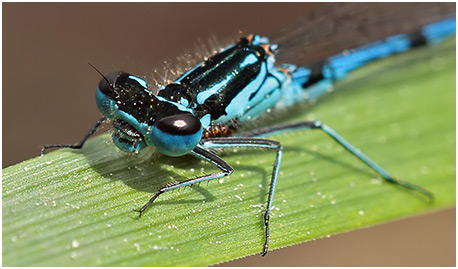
x=49 y=97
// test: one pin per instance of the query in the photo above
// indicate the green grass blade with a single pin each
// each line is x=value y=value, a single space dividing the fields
x=74 y=208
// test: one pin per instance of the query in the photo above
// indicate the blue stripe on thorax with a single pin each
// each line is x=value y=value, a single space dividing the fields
x=204 y=95
x=241 y=102
x=268 y=96
x=140 y=81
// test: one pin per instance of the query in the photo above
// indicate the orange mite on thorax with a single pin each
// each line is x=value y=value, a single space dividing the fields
x=219 y=131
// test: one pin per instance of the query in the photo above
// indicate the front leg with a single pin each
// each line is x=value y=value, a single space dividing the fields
x=228 y=142
x=80 y=144
x=205 y=155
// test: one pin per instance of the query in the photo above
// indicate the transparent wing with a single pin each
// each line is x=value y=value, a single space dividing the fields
x=334 y=27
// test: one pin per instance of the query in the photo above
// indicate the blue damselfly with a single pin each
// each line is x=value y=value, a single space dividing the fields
x=204 y=108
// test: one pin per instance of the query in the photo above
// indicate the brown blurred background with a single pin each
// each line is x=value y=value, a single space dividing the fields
x=49 y=92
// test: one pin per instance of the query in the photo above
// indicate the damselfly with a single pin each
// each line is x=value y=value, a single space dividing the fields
x=203 y=108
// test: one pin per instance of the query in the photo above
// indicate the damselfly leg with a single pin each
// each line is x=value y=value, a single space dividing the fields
x=229 y=142
x=291 y=127
x=203 y=154
x=79 y=144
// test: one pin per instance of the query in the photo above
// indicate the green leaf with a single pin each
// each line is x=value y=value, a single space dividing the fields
x=74 y=207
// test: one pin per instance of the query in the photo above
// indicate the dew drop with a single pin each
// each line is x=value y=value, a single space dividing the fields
x=75 y=243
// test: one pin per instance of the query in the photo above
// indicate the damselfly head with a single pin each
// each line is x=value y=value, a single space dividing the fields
x=122 y=86
x=142 y=119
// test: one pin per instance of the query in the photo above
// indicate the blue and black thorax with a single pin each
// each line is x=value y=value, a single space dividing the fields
x=209 y=100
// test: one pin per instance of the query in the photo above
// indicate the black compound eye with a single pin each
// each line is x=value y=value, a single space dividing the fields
x=182 y=124
x=120 y=82
x=107 y=84
x=126 y=89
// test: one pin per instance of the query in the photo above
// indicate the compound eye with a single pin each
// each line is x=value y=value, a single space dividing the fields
x=183 y=124
x=177 y=135
x=107 y=84
x=118 y=82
